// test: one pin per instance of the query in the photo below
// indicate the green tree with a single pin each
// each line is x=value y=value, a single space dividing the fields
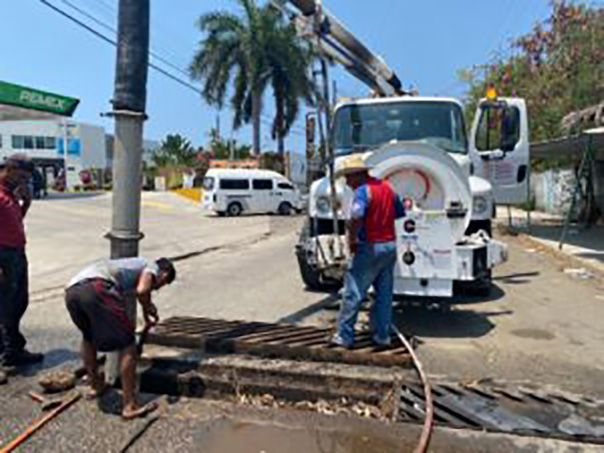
x=253 y=51
x=175 y=150
x=290 y=61
x=558 y=68
x=227 y=149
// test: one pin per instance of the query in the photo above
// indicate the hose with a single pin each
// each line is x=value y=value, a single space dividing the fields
x=424 y=440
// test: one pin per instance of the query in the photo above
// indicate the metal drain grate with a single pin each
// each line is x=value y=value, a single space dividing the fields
x=502 y=409
x=272 y=340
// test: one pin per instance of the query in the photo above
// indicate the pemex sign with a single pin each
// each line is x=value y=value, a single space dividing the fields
x=29 y=98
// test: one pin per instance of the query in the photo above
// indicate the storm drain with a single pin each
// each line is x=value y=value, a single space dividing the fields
x=273 y=340
x=519 y=411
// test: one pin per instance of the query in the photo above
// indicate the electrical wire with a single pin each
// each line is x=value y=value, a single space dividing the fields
x=113 y=42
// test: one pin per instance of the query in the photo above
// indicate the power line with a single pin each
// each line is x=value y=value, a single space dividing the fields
x=113 y=30
x=114 y=43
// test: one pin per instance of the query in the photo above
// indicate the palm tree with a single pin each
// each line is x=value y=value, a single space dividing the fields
x=249 y=51
x=175 y=150
x=289 y=74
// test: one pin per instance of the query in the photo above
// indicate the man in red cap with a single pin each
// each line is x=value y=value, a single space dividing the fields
x=15 y=200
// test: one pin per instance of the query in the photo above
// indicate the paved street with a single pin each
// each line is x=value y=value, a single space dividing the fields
x=539 y=324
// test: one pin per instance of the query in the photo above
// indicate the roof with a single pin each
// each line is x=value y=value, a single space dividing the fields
x=397 y=99
x=23 y=103
x=568 y=146
x=243 y=173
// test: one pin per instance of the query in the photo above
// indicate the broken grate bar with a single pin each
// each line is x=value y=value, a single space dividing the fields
x=273 y=340
x=520 y=411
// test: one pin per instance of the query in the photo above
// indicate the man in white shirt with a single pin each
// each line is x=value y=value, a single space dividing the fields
x=96 y=301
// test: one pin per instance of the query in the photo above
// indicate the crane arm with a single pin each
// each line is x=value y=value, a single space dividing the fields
x=340 y=45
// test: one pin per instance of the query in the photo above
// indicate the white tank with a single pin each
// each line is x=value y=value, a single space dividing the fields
x=430 y=177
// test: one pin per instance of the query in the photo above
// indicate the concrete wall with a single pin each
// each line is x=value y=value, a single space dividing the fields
x=552 y=190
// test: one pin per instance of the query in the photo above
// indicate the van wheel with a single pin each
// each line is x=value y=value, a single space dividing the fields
x=285 y=209
x=234 y=209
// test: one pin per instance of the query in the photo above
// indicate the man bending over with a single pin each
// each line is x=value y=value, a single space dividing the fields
x=96 y=301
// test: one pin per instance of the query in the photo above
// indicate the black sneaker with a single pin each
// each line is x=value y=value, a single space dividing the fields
x=24 y=358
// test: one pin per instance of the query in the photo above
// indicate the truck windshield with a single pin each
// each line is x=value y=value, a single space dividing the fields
x=359 y=128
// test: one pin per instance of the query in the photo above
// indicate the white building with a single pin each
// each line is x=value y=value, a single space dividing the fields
x=89 y=147
x=44 y=141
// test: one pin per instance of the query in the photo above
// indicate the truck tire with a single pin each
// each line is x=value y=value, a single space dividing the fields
x=285 y=208
x=480 y=287
x=310 y=276
x=234 y=209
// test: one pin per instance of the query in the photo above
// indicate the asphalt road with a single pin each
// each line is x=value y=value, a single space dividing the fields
x=539 y=324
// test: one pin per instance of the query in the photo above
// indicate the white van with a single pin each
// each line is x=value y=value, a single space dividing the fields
x=233 y=192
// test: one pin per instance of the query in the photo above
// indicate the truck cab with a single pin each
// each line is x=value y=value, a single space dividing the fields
x=420 y=144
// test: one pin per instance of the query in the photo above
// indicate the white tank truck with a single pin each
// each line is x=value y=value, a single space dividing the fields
x=420 y=145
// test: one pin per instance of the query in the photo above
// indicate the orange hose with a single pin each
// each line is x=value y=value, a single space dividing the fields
x=424 y=440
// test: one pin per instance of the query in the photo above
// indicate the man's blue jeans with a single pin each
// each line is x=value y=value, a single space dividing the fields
x=373 y=264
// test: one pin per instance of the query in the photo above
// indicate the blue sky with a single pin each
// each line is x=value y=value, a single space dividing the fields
x=426 y=42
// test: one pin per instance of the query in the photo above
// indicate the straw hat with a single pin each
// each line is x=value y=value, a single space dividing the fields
x=351 y=164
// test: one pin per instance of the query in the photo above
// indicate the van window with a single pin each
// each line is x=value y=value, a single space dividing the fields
x=285 y=186
x=263 y=184
x=234 y=184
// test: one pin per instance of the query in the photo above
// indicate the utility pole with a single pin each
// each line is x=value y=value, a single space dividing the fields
x=129 y=103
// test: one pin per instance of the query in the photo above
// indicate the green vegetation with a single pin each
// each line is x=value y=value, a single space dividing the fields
x=250 y=52
x=175 y=150
x=558 y=68
x=226 y=149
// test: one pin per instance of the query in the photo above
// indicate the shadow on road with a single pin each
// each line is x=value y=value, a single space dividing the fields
x=52 y=359
x=58 y=196
x=517 y=278
x=591 y=239
x=328 y=302
x=422 y=322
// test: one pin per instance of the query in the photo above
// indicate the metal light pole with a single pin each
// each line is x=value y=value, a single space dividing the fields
x=65 y=149
x=129 y=103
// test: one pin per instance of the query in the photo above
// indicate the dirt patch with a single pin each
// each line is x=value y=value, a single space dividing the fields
x=533 y=334
x=244 y=437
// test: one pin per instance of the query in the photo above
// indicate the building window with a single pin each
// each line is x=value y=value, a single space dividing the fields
x=28 y=142
x=17 y=141
x=263 y=184
x=50 y=142
x=0 y=141
x=40 y=142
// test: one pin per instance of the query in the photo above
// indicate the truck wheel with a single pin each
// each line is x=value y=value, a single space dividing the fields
x=234 y=209
x=285 y=209
x=310 y=276
x=480 y=287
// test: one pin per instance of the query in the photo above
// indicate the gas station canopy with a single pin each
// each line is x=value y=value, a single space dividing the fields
x=23 y=103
